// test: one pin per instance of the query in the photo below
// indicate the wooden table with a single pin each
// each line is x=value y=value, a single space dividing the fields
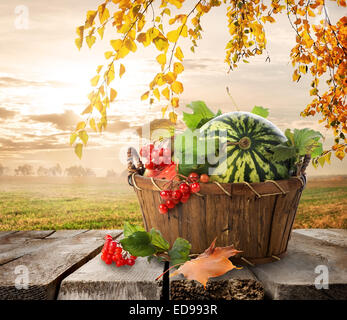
x=66 y=265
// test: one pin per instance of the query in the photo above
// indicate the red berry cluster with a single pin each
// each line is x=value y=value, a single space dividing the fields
x=156 y=158
x=182 y=194
x=113 y=252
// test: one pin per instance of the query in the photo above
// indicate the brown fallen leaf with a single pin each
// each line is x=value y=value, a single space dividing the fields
x=213 y=262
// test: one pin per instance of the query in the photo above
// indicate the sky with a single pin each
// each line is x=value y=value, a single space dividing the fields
x=45 y=80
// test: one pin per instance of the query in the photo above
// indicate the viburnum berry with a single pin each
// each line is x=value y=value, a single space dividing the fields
x=195 y=187
x=176 y=195
x=170 y=204
x=193 y=177
x=185 y=197
x=165 y=194
x=130 y=262
x=204 y=178
x=184 y=188
x=113 y=252
x=108 y=237
x=118 y=250
x=163 y=208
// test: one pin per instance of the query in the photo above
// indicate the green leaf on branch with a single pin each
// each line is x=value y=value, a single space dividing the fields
x=260 y=111
x=179 y=252
x=158 y=241
x=129 y=229
x=139 y=244
x=201 y=114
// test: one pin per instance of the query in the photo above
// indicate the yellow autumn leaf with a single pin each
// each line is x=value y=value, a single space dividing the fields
x=104 y=14
x=90 y=40
x=173 y=36
x=83 y=135
x=113 y=94
x=89 y=109
x=177 y=87
x=166 y=93
x=90 y=19
x=178 y=67
x=78 y=42
x=92 y=124
x=108 y=54
x=176 y=3
x=145 y=96
x=163 y=111
x=131 y=45
x=169 y=78
x=152 y=33
x=80 y=31
x=94 y=81
x=121 y=70
x=98 y=69
x=161 y=43
x=81 y=125
x=110 y=75
x=162 y=60
x=156 y=93
x=122 y=52
x=73 y=137
x=101 y=32
x=175 y=102
x=116 y=44
x=78 y=150
x=173 y=117
x=102 y=90
x=179 y=54
x=327 y=157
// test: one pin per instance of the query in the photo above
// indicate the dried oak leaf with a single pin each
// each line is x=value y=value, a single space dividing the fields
x=213 y=262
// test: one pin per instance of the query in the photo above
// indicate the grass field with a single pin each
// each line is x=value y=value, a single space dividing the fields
x=32 y=203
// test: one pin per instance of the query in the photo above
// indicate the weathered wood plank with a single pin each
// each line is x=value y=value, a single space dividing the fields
x=47 y=266
x=22 y=236
x=60 y=234
x=15 y=247
x=98 y=281
x=295 y=275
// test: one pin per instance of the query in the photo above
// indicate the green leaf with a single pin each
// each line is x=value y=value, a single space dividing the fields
x=129 y=229
x=282 y=152
x=158 y=241
x=317 y=151
x=201 y=114
x=139 y=244
x=179 y=252
x=260 y=111
x=306 y=140
x=290 y=137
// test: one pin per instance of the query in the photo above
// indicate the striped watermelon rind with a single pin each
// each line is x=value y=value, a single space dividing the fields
x=248 y=162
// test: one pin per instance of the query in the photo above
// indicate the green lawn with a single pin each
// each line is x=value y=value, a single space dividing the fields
x=48 y=203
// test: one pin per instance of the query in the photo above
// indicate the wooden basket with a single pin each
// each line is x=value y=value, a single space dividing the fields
x=256 y=218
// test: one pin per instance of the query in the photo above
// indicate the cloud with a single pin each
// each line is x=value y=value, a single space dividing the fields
x=6 y=114
x=6 y=82
x=41 y=143
x=62 y=121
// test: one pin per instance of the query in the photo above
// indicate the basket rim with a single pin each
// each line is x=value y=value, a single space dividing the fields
x=258 y=189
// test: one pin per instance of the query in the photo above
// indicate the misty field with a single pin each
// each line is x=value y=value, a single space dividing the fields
x=32 y=203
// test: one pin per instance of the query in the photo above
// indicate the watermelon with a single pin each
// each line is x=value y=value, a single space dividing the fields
x=246 y=142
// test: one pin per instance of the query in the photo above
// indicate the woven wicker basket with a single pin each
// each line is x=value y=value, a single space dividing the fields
x=256 y=218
